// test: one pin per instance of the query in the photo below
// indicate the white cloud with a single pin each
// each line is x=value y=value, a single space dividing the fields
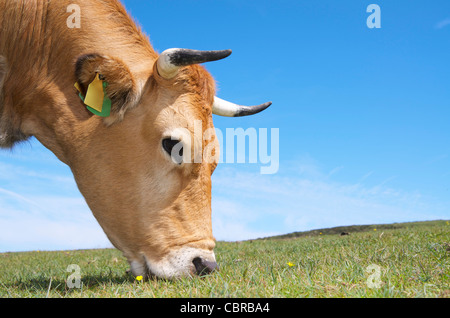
x=47 y=223
x=442 y=24
x=232 y=220
x=247 y=205
x=38 y=233
x=41 y=207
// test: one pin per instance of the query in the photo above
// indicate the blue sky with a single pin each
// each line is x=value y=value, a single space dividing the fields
x=363 y=116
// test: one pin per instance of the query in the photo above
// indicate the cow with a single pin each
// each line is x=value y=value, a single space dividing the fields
x=109 y=106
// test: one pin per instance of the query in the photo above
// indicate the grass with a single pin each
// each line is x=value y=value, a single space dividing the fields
x=412 y=259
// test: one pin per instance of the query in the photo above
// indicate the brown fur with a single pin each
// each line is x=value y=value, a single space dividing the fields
x=145 y=204
x=3 y=71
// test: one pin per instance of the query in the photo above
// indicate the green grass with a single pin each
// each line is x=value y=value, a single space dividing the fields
x=413 y=259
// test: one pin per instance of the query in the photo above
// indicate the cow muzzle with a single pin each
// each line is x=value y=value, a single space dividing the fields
x=185 y=261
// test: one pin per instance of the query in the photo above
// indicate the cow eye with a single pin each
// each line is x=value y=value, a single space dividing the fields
x=174 y=148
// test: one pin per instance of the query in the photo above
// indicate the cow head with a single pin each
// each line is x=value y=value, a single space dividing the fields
x=145 y=170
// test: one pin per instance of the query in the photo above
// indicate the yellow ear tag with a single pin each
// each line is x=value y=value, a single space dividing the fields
x=95 y=94
x=77 y=86
x=105 y=110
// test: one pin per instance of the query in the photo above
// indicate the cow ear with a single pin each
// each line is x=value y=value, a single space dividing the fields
x=121 y=88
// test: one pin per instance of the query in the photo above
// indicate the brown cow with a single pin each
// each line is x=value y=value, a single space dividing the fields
x=153 y=208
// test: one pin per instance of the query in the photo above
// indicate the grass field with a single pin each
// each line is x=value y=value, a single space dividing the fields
x=393 y=260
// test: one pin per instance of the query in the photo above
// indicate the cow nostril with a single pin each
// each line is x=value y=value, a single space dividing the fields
x=203 y=266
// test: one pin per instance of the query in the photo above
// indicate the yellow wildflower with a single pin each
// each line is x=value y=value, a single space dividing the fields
x=139 y=278
x=290 y=264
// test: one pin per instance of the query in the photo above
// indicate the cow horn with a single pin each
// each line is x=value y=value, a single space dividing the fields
x=171 y=60
x=224 y=108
